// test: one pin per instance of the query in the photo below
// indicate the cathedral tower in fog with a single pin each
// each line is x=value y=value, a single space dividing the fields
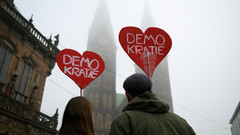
x=102 y=92
x=160 y=79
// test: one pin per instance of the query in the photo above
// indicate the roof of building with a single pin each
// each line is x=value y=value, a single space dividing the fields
x=119 y=99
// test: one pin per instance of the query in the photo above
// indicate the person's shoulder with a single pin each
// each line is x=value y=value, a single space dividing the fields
x=180 y=120
x=123 y=117
x=182 y=123
x=176 y=116
x=120 y=125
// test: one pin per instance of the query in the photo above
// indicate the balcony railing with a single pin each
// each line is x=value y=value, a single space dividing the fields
x=10 y=107
x=29 y=27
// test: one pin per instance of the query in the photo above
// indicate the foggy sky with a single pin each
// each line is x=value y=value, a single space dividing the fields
x=203 y=62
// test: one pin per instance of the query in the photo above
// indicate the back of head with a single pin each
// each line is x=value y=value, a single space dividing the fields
x=137 y=83
x=77 y=117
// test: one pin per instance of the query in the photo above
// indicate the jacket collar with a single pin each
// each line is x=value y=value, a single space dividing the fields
x=147 y=102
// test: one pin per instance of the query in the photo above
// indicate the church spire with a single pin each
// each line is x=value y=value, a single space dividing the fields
x=101 y=25
x=102 y=91
x=147 y=19
x=160 y=79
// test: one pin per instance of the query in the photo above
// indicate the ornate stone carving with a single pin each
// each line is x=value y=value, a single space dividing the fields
x=10 y=89
x=55 y=119
x=29 y=60
x=20 y=110
x=56 y=41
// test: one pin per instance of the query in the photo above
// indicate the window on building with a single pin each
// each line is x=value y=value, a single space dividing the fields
x=99 y=121
x=5 y=60
x=110 y=101
x=104 y=100
x=91 y=97
x=96 y=100
x=94 y=120
x=23 y=83
x=108 y=121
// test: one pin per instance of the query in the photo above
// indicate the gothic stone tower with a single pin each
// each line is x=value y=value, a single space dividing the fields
x=101 y=92
x=26 y=60
x=160 y=79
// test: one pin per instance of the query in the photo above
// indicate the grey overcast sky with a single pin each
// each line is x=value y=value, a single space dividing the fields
x=203 y=63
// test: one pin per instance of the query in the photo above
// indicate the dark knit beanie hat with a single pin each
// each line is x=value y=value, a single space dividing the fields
x=137 y=83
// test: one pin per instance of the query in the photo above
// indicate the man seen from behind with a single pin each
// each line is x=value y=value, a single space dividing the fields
x=145 y=114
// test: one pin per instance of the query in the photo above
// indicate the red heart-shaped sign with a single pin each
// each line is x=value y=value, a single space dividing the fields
x=147 y=49
x=82 y=69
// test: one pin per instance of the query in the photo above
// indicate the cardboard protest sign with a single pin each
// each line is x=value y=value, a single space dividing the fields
x=147 y=49
x=82 y=69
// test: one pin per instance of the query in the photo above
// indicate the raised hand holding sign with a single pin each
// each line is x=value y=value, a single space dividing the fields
x=82 y=69
x=147 y=49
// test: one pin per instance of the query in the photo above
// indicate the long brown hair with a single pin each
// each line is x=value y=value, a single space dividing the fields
x=77 y=117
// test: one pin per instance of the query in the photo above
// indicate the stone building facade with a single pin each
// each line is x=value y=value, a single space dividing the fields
x=26 y=60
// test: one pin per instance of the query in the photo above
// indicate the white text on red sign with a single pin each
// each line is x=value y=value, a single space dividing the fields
x=136 y=42
x=75 y=65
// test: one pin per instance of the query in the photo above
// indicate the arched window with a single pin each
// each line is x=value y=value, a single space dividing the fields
x=99 y=121
x=105 y=100
x=110 y=101
x=94 y=121
x=91 y=97
x=96 y=100
x=108 y=121
x=5 y=60
x=23 y=82
x=7 y=48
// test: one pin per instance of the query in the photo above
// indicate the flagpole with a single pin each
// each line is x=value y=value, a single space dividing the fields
x=148 y=64
x=80 y=92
